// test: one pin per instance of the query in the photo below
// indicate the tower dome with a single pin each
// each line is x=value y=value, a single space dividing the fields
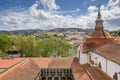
x=99 y=29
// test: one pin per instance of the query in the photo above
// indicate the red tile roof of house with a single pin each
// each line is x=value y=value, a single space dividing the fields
x=110 y=51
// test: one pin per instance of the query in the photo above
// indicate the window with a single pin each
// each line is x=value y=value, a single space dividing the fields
x=49 y=78
x=100 y=66
x=63 y=78
x=96 y=60
x=56 y=74
x=69 y=78
x=56 y=78
x=43 y=78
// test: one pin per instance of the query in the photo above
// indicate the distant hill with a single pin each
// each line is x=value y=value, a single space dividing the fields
x=31 y=31
x=21 y=31
x=66 y=29
x=115 y=33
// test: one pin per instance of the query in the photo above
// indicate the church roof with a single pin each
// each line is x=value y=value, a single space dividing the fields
x=29 y=68
x=110 y=51
x=7 y=63
x=99 y=34
x=53 y=62
x=25 y=70
x=84 y=47
x=99 y=29
x=95 y=73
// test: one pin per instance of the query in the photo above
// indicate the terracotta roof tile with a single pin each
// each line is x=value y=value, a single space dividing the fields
x=99 y=34
x=6 y=63
x=78 y=71
x=95 y=73
x=22 y=71
x=110 y=51
x=53 y=62
x=83 y=47
x=29 y=68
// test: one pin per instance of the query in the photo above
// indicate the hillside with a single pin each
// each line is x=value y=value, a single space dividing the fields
x=31 y=31
x=27 y=32
x=72 y=29
x=115 y=33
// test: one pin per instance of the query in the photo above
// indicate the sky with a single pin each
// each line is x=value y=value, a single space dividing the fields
x=49 y=14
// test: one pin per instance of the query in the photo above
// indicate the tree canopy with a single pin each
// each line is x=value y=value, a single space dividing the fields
x=5 y=42
x=55 y=47
x=47 y=47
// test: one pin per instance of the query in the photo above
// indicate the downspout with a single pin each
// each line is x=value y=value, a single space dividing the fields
x=106 y=65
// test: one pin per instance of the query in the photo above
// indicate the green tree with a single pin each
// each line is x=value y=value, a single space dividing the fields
x=26 y=45
x=5 y=42
x=55 y=47
x=47 y=47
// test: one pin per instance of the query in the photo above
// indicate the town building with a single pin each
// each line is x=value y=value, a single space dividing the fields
x=100 y=49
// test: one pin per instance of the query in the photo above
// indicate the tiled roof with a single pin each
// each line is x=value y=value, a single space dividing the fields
x=99 y=34
x=83 y=47
x=23 y=71
x=96 y=73
x=110 y=51
x=29 y=68
x=53 y=62
x=78 y=71
x=6 y=63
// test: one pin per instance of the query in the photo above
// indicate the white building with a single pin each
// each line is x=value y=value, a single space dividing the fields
x=107 y=57
x=100 y=50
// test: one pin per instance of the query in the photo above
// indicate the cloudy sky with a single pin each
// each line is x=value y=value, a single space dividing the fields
x=49 y=14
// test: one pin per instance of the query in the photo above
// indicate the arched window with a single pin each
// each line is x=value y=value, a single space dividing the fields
x=69 y=78
x=63 y=78
x=49 y=78
x=115 y=76
x=56 y=78
x=43 y=78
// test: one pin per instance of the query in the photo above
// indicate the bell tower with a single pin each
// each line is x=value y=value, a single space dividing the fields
x=99 y=22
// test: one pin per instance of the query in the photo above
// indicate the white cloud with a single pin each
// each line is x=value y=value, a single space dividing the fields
x=11 y=20
x=63 y=12
x=92 y=8
x=48 y=19
x=49 y=4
